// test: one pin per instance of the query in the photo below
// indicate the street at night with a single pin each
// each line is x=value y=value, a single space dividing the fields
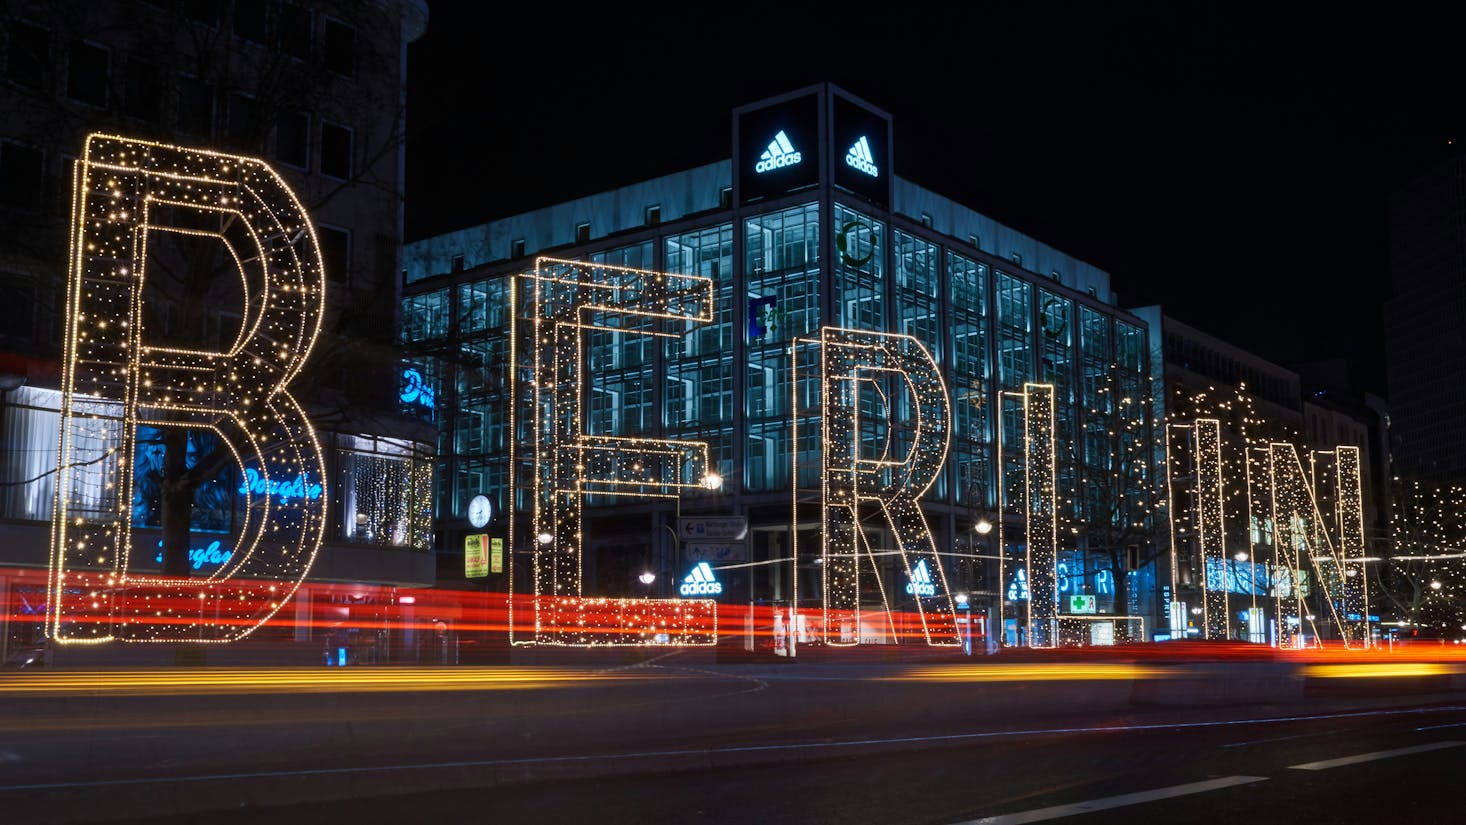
x=936 y=743
x=419 y=411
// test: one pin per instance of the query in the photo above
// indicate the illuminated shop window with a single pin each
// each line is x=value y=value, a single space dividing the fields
x=385 y=492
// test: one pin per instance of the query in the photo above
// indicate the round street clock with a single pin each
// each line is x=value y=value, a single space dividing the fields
x=479 y=510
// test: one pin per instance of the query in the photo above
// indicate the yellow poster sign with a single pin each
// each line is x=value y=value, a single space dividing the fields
x=476 y=556
x=496 y=555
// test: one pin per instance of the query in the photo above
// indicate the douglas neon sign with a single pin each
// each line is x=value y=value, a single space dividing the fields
x=299 y=487
x=213 y=555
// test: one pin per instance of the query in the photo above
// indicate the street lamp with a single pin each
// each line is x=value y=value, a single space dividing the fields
x=983 y=528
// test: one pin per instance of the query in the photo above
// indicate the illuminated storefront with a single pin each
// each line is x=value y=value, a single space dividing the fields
x=807 y=228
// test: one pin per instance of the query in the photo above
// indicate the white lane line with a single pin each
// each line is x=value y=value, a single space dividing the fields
x=1041 y=814
x=1370 y=757
x=1438 y=727
x=1278 y=739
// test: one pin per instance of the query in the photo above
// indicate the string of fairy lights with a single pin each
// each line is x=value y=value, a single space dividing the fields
x=1289 y=541
x=874 y=469
x=115 y=380
x=568 y=301
x=1423 y=581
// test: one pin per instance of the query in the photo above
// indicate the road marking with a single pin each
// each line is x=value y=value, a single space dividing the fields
x=1438 y=727
x=688 y=756
x=1041 y=814
x=1278 y=739
x=1370 y=757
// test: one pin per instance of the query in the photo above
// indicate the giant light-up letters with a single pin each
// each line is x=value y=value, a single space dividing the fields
x=116 y=380
x=875 y=468
x=1282 y=504
x=1039 y=567
x=572 y=300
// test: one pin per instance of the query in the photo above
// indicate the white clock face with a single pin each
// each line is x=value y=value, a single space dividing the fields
x=478 y=511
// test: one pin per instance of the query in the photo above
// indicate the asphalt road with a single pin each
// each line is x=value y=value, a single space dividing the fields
x=1398 y=765
x=673 y=742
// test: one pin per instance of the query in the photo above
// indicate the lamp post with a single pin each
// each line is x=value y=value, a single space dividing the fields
x=710 y=482
x=983 y=528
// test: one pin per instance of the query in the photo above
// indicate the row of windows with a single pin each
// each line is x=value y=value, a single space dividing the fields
x=190 y=105
x=1194 y=356
x=288 y=27
x=380 y=493
x=23 y=185
x=694 y=397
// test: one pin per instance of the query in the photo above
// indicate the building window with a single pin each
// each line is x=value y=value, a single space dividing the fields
x=243 y=120
x=516 y=248
x=340 y=48
x=926 y=220
x=455 y=264
x=195 y=107
x=653 y=215
x=295 y=31
x=28 y=55
x=17 y=309
x=582 y=232
x=335 y=252
x=144 y=94
x=335 y=151
x=86 y=74
x=725 y=197
x=251 y=20
x=292 y=139
x=20 y=176
x=202 y=11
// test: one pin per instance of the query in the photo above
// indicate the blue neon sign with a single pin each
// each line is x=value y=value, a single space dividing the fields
x=415 y=389
x=298 y=487
x=213 y=555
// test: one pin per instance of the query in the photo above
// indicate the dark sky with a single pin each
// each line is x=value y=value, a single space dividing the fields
x=1228 y=161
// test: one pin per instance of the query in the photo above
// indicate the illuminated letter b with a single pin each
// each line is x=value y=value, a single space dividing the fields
x=120 y=376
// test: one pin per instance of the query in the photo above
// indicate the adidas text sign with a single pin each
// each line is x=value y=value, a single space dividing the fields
x=779 y=154
x=859 y=157
x=700 y=582
x=921 y=581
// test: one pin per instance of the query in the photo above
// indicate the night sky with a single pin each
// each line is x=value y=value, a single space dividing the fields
x=1229 y=162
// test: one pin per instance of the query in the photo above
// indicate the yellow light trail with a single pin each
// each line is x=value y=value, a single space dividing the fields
x=1029 y=673
x=282 y=680
x=1375 y=670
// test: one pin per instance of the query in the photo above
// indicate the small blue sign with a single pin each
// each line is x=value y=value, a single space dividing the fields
x=415 y=389
x=212 y=555
x=762 y=316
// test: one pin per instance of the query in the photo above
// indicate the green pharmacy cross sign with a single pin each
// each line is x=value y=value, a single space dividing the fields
x=1082 y=604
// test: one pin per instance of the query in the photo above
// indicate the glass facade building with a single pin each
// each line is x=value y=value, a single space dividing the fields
x=841 y=242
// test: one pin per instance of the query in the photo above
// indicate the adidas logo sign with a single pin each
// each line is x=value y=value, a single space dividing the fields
x=700 y=581
x=859 y=157
x=779 y=154
x=921 y=581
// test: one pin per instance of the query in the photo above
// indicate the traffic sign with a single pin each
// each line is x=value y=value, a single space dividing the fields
x=715 y=551
x=712 y=528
